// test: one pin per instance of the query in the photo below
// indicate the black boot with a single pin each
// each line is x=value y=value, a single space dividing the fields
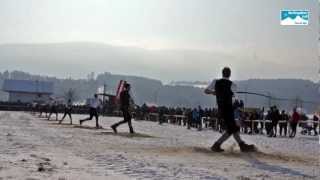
x=216 y=148
x=247 y=147
x=114 y=128
x=131 y=130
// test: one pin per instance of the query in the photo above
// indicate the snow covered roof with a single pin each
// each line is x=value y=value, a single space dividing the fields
x=27 y=86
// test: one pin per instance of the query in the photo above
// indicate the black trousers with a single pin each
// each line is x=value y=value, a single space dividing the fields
x=268 y=127
x=229 y=123
x=293 y=126
x=315 y=126
x=284 y=127
x=274 y=124
x=67 y=111
x=53 y=110
x=126 y=119
x=93 y=113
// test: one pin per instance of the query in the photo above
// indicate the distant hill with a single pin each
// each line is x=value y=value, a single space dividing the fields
x=74 y=59
x=295 y=89
x=175 y=94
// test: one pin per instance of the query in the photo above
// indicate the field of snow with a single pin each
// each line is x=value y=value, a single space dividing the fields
x=36 y=149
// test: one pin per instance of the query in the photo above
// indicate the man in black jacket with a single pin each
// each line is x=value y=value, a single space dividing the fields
x=125 y=103
x=274 y=121
x=223 y=89
x=284 y=124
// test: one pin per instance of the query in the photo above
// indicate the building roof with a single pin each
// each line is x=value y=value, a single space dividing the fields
x=28 y=86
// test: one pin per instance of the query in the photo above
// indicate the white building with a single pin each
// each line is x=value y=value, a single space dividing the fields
x=28 y=91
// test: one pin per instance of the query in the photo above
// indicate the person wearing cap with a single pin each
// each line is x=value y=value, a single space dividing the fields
x=126 y=104
x=224 y=90
x=94 y=104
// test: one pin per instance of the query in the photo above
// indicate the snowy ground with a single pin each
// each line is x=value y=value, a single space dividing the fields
x=33 y=148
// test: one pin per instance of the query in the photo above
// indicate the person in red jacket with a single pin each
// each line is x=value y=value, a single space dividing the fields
x=294 y=122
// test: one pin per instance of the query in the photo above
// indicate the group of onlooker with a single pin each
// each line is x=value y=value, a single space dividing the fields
x=255 y=121
x=192 y=116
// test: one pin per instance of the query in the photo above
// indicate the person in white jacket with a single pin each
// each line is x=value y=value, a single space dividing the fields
x=94 y=104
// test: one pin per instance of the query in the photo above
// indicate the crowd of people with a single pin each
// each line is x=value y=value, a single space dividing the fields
x=272 y=122
x=192 y=116
x=229 y=118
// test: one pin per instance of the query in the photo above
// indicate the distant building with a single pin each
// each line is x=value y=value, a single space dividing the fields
x=28 y=90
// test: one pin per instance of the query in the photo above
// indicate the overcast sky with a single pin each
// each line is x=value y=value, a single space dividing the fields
x=245 y=29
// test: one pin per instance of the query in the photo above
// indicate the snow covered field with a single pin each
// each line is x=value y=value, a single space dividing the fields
x=33 y=148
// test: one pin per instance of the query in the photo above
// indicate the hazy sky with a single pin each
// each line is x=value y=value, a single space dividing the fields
x=245 y=29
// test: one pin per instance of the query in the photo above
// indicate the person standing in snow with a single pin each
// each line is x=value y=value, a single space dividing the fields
x=294 y=122
x=224 y=90
x=126 y=104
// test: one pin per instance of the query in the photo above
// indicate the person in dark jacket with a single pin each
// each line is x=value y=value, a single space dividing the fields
x=224 y=90
x=275 y=115
x=125 y=105
x=67 y=111
x=53 y=104
x=199 y=120
x=189 y=120
x=315 y=124
x=161 y=115
x=195 y=117
x=284 y=124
